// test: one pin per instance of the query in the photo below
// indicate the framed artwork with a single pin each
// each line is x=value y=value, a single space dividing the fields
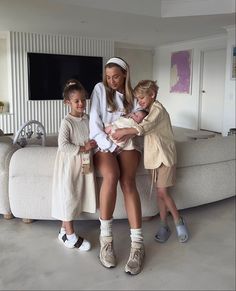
x=181 y=72
x=233 y=63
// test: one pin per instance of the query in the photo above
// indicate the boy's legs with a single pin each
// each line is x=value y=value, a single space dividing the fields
x=166 y=178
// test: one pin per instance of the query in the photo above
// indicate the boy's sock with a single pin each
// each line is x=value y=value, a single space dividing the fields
x=106 y=227
x=136 y=235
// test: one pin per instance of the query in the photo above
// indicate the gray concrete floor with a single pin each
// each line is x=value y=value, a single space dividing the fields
x=32 y=258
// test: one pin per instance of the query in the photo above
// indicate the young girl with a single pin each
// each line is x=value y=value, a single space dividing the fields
x=159 y=155
x=73 y=181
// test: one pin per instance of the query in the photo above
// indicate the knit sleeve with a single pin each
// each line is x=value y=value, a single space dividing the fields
x=64 y=143
x=96 y=124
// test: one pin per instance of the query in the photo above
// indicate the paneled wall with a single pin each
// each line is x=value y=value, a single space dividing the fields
x=50 y=112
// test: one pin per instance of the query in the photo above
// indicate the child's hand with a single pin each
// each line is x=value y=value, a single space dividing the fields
x=91 y=144
x=123 y=134
x=119 y=135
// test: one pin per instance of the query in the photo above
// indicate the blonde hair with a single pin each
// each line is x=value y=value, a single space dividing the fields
x=128 y=91
x=146 y=87
x=71 y=86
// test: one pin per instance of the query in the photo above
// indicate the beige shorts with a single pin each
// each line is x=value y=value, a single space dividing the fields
x=164 y=176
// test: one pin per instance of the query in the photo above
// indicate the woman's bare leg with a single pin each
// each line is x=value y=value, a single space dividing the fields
x=128 y=161
x=107 y=165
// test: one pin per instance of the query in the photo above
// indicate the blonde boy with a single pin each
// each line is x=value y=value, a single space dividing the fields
x=159 y=155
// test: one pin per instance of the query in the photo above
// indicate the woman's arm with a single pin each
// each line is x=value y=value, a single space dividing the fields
x=95 y=122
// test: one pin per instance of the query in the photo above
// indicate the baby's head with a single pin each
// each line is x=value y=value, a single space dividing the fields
x=139 y=115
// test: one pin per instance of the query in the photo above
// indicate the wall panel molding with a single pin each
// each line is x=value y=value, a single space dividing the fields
x=51 y=112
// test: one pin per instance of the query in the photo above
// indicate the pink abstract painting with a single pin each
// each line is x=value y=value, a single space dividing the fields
x=180 y=77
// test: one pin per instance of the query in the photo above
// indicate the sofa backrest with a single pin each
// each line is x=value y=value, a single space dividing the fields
x=205 y=151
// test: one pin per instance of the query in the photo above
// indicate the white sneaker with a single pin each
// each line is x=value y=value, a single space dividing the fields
x=81 y=244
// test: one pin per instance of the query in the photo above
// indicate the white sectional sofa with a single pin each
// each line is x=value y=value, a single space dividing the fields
x=6 y=151
x=205 y=173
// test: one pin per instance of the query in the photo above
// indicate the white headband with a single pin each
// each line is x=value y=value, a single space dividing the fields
x=119 y=62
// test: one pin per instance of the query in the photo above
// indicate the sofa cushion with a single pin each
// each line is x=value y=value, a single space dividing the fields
x=205 y=151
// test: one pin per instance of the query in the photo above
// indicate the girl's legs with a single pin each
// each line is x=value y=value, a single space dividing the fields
x=68 y=226
x=70 y=239
x=107 y=165
x=128 y=161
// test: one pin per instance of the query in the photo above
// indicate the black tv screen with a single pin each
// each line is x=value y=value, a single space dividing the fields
x=48 y=73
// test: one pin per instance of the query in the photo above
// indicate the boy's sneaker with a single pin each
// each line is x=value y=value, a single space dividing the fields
x=107 y=255
x=81 y=244
x=136 y=259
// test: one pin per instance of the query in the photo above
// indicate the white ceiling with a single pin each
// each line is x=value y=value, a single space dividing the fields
x=146 y=23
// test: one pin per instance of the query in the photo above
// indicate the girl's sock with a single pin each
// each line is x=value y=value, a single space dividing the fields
x=106 y=227
x=136 y=235
x=62 y=231
x=72 y=238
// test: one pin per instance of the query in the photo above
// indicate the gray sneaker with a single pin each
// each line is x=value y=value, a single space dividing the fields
x=107 y=255
x=136 y=259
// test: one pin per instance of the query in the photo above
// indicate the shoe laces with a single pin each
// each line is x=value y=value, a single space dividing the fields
x=135 y=253
x=108 y=248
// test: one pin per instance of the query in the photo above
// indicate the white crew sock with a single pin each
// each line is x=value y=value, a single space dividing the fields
x=62 y=231
x=72 y=238
x=136 y=235
x=106 y=227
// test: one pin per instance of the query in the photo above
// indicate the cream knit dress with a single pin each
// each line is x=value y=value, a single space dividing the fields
x=72 y=191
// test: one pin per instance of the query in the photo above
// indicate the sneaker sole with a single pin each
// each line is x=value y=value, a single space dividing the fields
x=106 y=265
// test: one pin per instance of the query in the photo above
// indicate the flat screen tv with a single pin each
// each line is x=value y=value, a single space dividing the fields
x=48 y=73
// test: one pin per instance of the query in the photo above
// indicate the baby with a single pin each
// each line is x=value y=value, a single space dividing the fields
x=125 y=121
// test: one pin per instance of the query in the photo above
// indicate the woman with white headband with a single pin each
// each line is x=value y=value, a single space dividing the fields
x=109 y=100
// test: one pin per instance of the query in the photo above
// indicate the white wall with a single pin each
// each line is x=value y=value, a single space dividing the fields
x=184 y=108
x=4 y=77
x=140 y=62
x=230 y=86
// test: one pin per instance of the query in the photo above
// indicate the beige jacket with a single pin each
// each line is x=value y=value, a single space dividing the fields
x=159 y=145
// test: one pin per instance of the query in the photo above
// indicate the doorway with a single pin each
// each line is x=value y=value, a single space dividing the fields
x=212 y=90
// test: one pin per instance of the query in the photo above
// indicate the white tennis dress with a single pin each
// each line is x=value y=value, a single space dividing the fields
x=72 y=191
